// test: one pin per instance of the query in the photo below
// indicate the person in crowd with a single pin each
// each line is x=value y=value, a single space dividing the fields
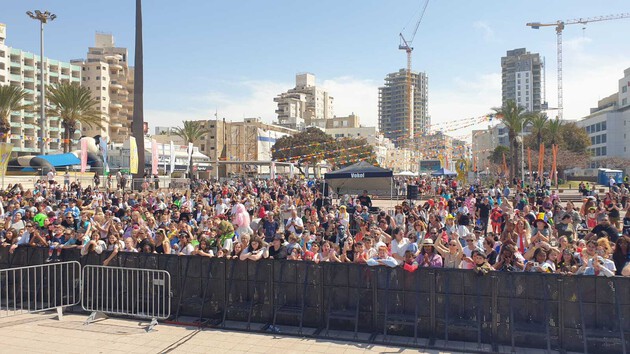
x=382 y=258
x=452 y=254
x=278 y=250
x=428 y=257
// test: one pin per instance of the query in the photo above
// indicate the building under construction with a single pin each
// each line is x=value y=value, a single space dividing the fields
x=393 y=107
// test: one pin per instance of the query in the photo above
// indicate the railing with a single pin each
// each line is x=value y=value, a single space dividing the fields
x=39 y=288
x=139 y=293
x=373 y=304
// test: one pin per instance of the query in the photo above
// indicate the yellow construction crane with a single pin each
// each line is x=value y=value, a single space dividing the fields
x=406 y=46
x=559 y=25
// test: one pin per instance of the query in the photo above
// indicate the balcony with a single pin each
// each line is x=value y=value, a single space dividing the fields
x=115 y=105
x=115 y=85
x=115 y=66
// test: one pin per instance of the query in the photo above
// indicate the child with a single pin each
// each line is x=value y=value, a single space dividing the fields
x=591 y=218
x=496 y=217
x=409 y=262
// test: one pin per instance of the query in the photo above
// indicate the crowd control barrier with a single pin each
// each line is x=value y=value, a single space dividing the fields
x=435 y=307
x=39 y=288
x=139 y=293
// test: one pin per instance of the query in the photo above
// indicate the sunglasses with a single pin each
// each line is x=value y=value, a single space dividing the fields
x=470 y=241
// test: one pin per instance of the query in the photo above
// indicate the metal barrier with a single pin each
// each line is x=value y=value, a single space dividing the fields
x=140 y=293
x=39 y=288
x=426 y=308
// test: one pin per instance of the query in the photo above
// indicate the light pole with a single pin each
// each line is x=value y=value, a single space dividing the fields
x=42 y=17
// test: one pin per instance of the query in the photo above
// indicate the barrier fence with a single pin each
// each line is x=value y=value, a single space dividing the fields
x=139 y=293
x=39 y=288
x=376 y=304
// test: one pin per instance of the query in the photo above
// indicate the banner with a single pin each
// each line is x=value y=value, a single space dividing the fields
x=103 y=145
x=83 y=154
x=172 y=158
x=272 y=170
x=554 y=166
x=189 y=162
x=291 y=171
x=154 y=157
x=133 y=155
x=5 y=155
x=529 y=165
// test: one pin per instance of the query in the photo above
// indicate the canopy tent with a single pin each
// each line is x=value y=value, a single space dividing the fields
x=444 y=172
x=406 y=174
x=358 y=177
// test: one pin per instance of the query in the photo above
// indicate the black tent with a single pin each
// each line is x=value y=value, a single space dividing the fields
x=361 y=176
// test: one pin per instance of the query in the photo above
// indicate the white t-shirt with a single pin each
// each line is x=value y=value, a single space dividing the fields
x=298 y=223
x=51 y=176
x=400 y=248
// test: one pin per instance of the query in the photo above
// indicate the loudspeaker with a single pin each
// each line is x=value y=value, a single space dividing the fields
x=412 y=191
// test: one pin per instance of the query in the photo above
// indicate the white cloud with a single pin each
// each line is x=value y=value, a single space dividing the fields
x=354 y=96
x=486 y=30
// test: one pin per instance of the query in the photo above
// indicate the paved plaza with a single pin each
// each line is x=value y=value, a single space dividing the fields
x=43 y=333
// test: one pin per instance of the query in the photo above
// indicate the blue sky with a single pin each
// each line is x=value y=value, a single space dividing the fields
x=235 y=56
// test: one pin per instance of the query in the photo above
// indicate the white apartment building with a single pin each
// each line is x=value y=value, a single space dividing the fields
x=106 y=73
x=304 y=105
x=608 y=125
x=22 y=69
x=521 y=73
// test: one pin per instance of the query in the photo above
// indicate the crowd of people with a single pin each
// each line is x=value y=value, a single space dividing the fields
x=484 y=228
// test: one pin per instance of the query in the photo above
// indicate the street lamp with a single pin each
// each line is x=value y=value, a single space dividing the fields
x=523 y=154
x=42 y=17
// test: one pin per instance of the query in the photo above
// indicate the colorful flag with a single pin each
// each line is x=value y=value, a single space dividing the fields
x=154 y=157
x=103 y=146
x=291 y=172
x=5 y=154
x=133 y=155
x=272 y=170
x=84 y=154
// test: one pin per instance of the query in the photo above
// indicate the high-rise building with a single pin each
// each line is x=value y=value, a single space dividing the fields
x=521 y=73
x=22 y=69
x=106 y=73
x=304 y=105
x=393 y=107
x=608 y=126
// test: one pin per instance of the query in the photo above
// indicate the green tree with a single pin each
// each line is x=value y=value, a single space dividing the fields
x=11 y=100
x=74 y=104
x=554 y=131
x=539 y=122
x=496 y=156
x=313 y=145
x=514 y=117
x=191 y=132
x=574 y=138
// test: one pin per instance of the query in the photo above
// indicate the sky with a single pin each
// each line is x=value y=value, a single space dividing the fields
x=233 y=57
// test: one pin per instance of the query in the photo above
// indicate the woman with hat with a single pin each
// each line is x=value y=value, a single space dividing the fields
x=541 y=232
x=428 y=257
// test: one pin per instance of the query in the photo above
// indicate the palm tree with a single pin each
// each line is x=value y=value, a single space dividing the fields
x=192 y=132
x=554 y=130
x=514 y=117
x=539 y=123
x=11 y=98
x=74 y=104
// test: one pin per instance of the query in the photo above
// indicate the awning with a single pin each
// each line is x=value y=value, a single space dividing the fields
x=61 y=160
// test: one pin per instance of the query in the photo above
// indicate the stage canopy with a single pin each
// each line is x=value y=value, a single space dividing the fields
x=358 y=177
x=444 y=172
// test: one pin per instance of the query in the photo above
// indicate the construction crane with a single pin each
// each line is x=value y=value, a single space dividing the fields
x=559 y=25
x=406 y=46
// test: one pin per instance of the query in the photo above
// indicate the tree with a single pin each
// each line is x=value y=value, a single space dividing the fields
x=514 y=117
x=496 y=156
x=74 y=104
x=313 y=145
x=191 y=132
x=574 y=138
x=11 y=100
x=554 y=131
x=539 y=124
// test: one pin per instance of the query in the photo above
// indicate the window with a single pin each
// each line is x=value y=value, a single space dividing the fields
x=603 y=125
x=527 y=74
x=624 y=102
x=588 y=129
x=518 y=75
x=624 y=89
x=598 y=127
x=98 y=78
x=592 y=140
x=527 y=81
x=603 y=151
x=604 y=139
x=518 y=82
x=98 y=68
x=598 y=139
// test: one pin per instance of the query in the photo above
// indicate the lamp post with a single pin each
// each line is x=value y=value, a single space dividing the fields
x=523 y=154
x=42 y=17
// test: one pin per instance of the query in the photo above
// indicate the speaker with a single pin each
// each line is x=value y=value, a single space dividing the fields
x=412 y=191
